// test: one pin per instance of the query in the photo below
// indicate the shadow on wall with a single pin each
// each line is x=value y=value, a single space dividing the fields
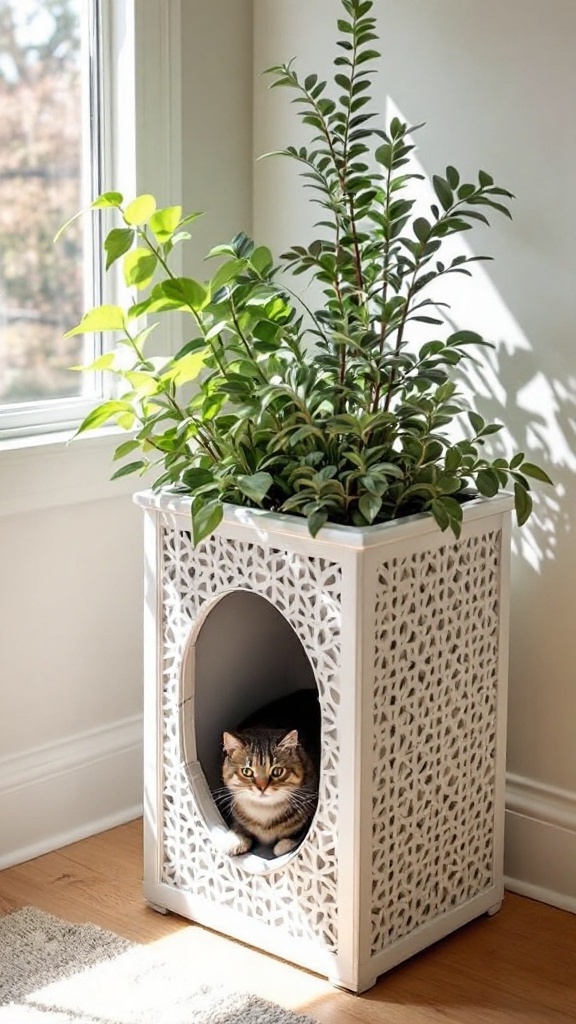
x=536 y=405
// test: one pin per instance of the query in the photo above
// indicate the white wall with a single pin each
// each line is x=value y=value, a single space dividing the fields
x=71 y=563
x=496 y=84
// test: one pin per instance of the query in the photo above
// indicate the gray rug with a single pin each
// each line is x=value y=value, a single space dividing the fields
x=52 y=972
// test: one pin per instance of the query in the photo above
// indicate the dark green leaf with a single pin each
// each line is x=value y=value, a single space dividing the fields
x=316 y=520
x=255 y=486
x=476 y=422
x=196 y=477
x=206 y=516
x=535 y=472
x=130 y=467
x=523 y=503
x=370 y=505
x=443 y=191
x=487 y=483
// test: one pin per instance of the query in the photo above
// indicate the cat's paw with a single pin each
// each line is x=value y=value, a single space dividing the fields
x=284 y=846
x=235 y=844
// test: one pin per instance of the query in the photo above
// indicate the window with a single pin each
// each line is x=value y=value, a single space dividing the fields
x=49 y=169
x=136 y=47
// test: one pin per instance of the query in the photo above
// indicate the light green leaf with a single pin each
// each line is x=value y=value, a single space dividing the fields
x=186 y=368
x=261 y=259
x=184 y=290
x=139 y=267
x=103 y=362
x=164 y=222
x=140 y=210
x=102 y=413
x=108 y=199
x=101 y=318
x=144 y=384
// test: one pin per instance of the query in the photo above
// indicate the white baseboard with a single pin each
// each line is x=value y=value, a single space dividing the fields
x=62 y=792
x=540 y=842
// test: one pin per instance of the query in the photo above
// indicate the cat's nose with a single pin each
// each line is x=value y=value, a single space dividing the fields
x=261 y=783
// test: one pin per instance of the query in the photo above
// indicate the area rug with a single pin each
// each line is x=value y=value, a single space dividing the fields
x=53 y=972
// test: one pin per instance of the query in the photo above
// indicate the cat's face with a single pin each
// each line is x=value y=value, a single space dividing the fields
x=262 y=765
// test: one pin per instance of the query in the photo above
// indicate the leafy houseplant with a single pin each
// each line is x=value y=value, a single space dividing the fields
x=355 y=433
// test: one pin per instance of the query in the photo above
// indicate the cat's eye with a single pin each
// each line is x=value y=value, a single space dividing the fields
x=276 y=773
x=247 y=772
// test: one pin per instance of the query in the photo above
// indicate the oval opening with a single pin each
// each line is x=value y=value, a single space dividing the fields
x=243 y=655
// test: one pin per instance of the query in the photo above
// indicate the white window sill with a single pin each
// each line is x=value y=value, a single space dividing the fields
x=50 y=470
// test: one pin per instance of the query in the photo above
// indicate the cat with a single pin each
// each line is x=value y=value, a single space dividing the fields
x=270 y=772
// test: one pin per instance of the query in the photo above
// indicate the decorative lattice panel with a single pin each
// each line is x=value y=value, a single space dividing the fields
x=436 y=658
x=300 y=898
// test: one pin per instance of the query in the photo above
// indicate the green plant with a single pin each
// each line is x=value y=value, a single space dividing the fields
x=356 y=432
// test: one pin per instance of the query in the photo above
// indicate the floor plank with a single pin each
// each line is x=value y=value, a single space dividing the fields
x=518 y=967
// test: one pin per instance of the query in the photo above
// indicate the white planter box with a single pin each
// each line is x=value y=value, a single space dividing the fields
x=404 y=631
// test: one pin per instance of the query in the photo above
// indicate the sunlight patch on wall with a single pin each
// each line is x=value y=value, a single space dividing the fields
x=504 y=385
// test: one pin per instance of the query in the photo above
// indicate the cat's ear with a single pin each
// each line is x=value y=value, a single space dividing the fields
x=232 y=744
x=290 y=740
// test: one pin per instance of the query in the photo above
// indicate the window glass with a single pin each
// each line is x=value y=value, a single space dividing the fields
x=47 y=114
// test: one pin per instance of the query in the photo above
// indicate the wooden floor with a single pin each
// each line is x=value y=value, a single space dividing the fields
x=518 y=967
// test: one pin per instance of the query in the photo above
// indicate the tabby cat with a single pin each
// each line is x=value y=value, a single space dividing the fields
x=270 y=773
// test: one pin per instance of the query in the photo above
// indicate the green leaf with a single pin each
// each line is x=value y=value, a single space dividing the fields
x=452 y=177
x=102 y=413
x=536 y=472
x=186 y=368
x=421 y=229
x=101 y=318
x=443 y=191
x=467 y=338
x=487 y=483
x=316 y=520
x=476 y=422
x=255 y=486
x=206 y=516
x=261 y=259
x=130 y=467
x=196 y=477
x=485 y=179
x=523 y=503
x=108 y=199
x=164 y=222
x=126 y=448
x=225 y=273
x=139 y=267
x=140 y=210
x=370 y=506
x=186 y=291
x=103 y=362
x=117 y=242
x=448 y=514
